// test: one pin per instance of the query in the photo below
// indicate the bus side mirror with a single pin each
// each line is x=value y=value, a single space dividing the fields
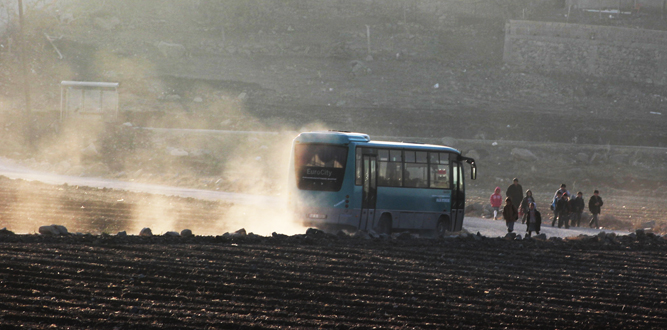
x=473 y=167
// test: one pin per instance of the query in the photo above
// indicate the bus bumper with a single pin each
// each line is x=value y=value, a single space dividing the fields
x=320 y=218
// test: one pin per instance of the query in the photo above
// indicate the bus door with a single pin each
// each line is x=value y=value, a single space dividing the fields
x=458 y=196
x=369 y=191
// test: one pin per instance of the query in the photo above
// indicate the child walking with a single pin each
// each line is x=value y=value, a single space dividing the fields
x=533 y=220
x=496 y=200
x=523 y=207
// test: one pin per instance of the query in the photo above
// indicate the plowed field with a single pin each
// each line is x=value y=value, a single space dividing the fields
x=314 y=280
x=321 y=281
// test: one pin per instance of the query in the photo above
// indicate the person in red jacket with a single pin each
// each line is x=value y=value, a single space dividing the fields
x=496 y=200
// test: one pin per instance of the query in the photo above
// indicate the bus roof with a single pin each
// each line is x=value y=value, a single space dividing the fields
x=333 y=137
x=337 y=137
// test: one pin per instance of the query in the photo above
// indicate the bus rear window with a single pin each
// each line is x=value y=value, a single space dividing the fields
x=319 y=166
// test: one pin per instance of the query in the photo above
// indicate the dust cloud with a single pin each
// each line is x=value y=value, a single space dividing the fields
x=257 y=164
x=203 y=157
x=252 y=163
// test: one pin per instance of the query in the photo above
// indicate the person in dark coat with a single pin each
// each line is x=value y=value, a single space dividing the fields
x=563 y=211
x=533 y=220
x=559 y=193
x=515 y=192
x=510 y=214
x=558 y=197
x=576 y=208
x=594 y=205
x=523 y=207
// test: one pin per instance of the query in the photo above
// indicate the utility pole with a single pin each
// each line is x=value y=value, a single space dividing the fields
x=27 y=128
x=26 y=86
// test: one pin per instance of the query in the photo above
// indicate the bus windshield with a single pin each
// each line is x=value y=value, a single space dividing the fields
x=320 y=166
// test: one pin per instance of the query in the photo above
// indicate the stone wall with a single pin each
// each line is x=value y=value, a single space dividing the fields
x=602 y=51
x=459 y=7
x=447 y=8
x=616 y=4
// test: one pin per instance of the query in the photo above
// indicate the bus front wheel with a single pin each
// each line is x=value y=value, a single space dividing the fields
x=384 y=225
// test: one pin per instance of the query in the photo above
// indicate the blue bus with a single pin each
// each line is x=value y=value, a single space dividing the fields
x=343 y=180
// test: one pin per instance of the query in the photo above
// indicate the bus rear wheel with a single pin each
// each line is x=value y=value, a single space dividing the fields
x=384 y=225
x=442 y=227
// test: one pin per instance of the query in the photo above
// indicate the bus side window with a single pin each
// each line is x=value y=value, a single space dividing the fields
x=383 y=177
x=416 y=169
x=422 y=157
x=390 y=169
x=440 y=176
x=439 y=170
x=395 y=156
x=395 y=174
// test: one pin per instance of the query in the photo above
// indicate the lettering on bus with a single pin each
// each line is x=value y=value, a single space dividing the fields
x=320 y=166
x=442 y=198
x=319 y=172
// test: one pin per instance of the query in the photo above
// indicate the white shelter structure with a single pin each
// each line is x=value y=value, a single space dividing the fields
x=83 y=98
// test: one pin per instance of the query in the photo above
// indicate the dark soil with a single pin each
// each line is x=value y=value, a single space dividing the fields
x=326 y=281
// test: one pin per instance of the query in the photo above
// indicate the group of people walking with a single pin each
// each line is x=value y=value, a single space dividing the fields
x=567 y=211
